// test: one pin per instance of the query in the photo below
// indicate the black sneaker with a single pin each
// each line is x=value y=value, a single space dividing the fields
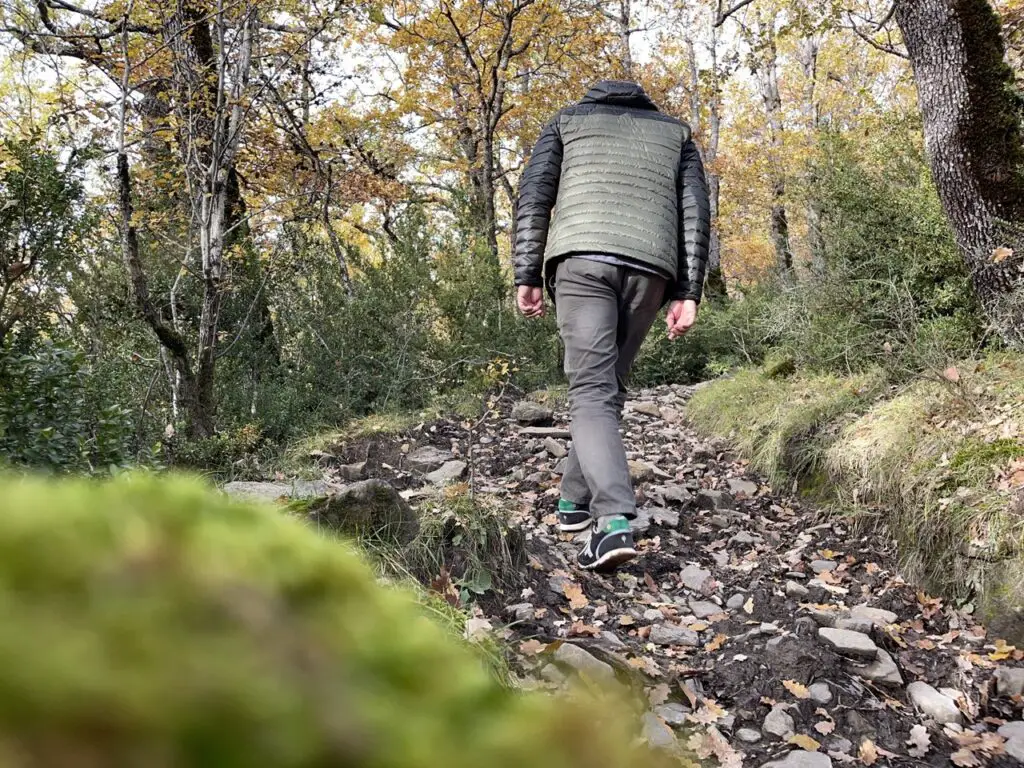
x=573 y=517
x=608 y=547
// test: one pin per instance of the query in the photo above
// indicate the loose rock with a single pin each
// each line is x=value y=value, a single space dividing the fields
x=800 y=759
x=555 y=448
x=672 y=634
x=371 y=507
x=526 y=412
x=428 y=458
x=748 y=735
x=1010 y=681
x=658 y=735
x=797 y=591
x=933 y=704
x=449 y=472
x=584 y=662
x=821 y=693
x=882 y=670
x=849 y=643
x=695 y=578
x=742 y=487
x=779 y=723
x=877 y=615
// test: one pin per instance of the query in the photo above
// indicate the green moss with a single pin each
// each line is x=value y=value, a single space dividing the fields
x=155 y=623
x=976 y=460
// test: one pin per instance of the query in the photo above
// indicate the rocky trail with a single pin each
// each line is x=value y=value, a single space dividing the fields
x=760 y=630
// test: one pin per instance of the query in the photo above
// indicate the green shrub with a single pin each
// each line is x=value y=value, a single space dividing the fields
x=50 y=418
x=147 y=623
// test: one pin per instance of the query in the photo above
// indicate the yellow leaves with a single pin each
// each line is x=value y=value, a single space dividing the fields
x=574 y=592
x=868 y=752
x=797 y=689
x=708 y=714
x=805 y=743
x=1001 y=254
x=1002 y=651
x=712 y=743
x=716 y=643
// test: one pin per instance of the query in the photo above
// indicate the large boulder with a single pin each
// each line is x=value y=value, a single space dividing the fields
x=153 y=623
x=370 y=508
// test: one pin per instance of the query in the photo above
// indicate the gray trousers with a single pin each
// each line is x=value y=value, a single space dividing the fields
x=604 y=313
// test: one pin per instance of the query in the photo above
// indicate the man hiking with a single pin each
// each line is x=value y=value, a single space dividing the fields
x=628 y=235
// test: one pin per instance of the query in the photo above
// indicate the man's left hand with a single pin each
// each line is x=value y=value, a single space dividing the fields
x=681 y=317
x=531 y=300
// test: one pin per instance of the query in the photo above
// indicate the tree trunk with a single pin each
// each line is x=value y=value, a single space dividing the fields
x=972 y=129
x=766 y=71
x=808 y=55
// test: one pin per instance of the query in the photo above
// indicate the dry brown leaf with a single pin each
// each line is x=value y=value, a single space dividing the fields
x=716 y=643
x=712 y=742
x=805 y=743
x=825 y=727
x=965 y=758
x=577 y=599
x=868 y=752
x=748 y=606
x=626 y=621
x=579 y=629
x=919 y=742
x=871 y=568
x=797 y=689
x=698 y=626
x=1001 y=254
x=532 y=647
x=709 y=714
x=658 y=695
x=925 y=645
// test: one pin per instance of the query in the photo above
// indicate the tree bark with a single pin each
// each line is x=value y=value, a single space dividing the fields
x=765 y=69
x=808 y=55
x=972 y=130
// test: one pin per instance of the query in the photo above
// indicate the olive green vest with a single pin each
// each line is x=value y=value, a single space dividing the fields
x=618 y=190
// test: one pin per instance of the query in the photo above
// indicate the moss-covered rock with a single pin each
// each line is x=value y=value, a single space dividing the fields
x=152 y=624
x=371 y=508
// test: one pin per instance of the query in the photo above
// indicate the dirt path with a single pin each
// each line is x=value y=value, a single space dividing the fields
x=761 y=630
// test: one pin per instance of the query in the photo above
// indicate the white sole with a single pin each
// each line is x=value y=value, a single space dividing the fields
x=612 y=559
x=575 y=527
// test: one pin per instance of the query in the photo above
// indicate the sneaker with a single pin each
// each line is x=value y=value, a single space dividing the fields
x=573 y=517
x=608 y=547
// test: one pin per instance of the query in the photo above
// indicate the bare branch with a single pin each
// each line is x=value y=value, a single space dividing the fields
x=725 y=14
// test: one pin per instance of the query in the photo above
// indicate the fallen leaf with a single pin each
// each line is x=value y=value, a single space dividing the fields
x=919 y=742
x=659 y=694
x=1002 y=651
x=716 y=643
x=965 y=758
x=709 y=714
x=805 y=743
x=925 y=644
x=748 y=606
x=579 y=629
x=871 y=568
x=1001 y=254
x=577 y=599
x=626 y=621
x=651 y=584
x=698 y=626
x=868 y=752
x=825 y=727
x=532 y=647
x=797 y=689
x=712 y=742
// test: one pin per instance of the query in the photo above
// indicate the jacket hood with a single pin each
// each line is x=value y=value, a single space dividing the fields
x=623 y=93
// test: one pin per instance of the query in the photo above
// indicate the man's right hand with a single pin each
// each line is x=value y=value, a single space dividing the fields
x=531 y=300
x=680 y=318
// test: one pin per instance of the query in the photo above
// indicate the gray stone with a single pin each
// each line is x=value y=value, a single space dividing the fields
x=882 y=670
x=849 y=643
x=714 y=500
x=779 y=723
x=673 y=634
x=610 y=640
x=824 y=618
x=658 y=735
x=371 y=507
x=742 y=487
x=675 y=493
x=526 y=412
x=1010 y=681
x=449 y=472
x=559 y=433
x=748 y=735
x=522 y=611
x=672 y=713
x=695 y=578
x=839 y=744
x=704 y=608
x=351 y=473
x=553 y=674
x=428 y=458
x=863 y=626
x=744 y=538
x=1014 y=730
x=933 y=704
x=665 y=517
x=648 y=409
x=799 y=758
x=1015 y=749
x=824 y=566
x=879 y=616
x=719 y=521
x=583 y=662
x=560 y=467
x=653 y=614
x=640 y=471
x=273 y=492
x=820 y=692
x=796 y=591
x=641 y=523
x=537 y=477
x=736 y=601
x=555 y=448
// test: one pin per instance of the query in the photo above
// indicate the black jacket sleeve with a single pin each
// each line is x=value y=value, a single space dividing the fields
x=538 y=190
x=694 y=225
